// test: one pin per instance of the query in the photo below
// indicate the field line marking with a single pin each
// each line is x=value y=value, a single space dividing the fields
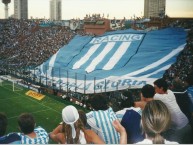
x=9 y=98
x=36 y=102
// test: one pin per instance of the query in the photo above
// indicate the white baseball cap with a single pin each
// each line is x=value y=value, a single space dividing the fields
x=70 y=115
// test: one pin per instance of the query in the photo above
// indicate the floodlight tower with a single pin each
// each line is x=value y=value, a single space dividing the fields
x=6 y=2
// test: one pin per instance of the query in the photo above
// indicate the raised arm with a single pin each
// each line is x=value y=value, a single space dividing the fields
x=119 y=128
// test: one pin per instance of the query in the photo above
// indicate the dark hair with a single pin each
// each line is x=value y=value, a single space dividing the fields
x=82 y=116
x=148 y=91
x=26 y=123
x=3 y=124
x=161 y=83
x=129 y=102
x=99 y=102
x=156 y=119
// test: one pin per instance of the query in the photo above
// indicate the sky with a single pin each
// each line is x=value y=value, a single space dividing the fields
x=114 y=8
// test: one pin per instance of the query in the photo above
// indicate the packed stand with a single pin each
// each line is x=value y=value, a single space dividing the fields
x=24 y=43
x=184 y=63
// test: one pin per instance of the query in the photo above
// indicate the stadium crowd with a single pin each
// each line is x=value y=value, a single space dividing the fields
x=155 y=119
x=184 y=63
x=24 y=43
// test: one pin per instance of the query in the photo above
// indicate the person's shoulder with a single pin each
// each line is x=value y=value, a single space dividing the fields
x=121 y=111
x=139 y=105
x=40 y=129
x=145 y=141
x=90 y=114
x=11 y=138
x=170 y=91
x=137 y=109
x=110 y=110
x=170 y=142
x=157 y=96
x=14 y=135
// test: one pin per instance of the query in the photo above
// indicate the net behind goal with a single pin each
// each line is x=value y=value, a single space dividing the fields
x=1 y=81
x=17 y=85
x=5 y=83
x=13 y=84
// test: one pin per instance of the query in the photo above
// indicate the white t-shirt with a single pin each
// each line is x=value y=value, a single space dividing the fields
x=148 y=141
x=179 y=120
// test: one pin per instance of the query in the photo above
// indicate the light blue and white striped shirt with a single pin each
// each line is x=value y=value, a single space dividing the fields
x=41 y=137
x=101 y=122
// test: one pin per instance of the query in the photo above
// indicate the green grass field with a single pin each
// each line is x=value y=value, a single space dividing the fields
x=46 y=112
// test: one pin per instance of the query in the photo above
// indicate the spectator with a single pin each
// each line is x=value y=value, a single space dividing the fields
x=156 y=119
x=93 y=136
x=72 y=130
x=180 y=130
x=100 y=120
x=182 y=98
x=147 y=94
x=30 y=134
x=11 y=138
x=130 y=118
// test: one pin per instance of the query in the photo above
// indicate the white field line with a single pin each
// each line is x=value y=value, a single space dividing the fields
x=36 y=102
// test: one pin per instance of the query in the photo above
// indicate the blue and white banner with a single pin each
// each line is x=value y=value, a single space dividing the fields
x=114 y=61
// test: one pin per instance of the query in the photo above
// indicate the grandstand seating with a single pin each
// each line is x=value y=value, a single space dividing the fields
x=23 y=43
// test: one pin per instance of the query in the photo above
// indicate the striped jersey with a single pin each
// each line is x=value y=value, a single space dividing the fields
x=41 y=137
x=101 y=122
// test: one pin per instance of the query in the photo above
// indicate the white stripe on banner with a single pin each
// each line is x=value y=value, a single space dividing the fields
x=51 y=64
x=100 y=57
x=41 y=69
x=86 y=56
x=155 y=72
x=117 y=56
x=157 y=63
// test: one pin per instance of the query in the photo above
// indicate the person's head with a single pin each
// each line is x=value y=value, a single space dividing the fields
x=99 y=102
x=26 y=123
x=147 y=92
x=156 y=119
x=129 y=102
x=72 y=124
x=3 y=124
x=160 y=86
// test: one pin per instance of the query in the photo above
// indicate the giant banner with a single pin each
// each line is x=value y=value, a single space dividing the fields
x=114 y=61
